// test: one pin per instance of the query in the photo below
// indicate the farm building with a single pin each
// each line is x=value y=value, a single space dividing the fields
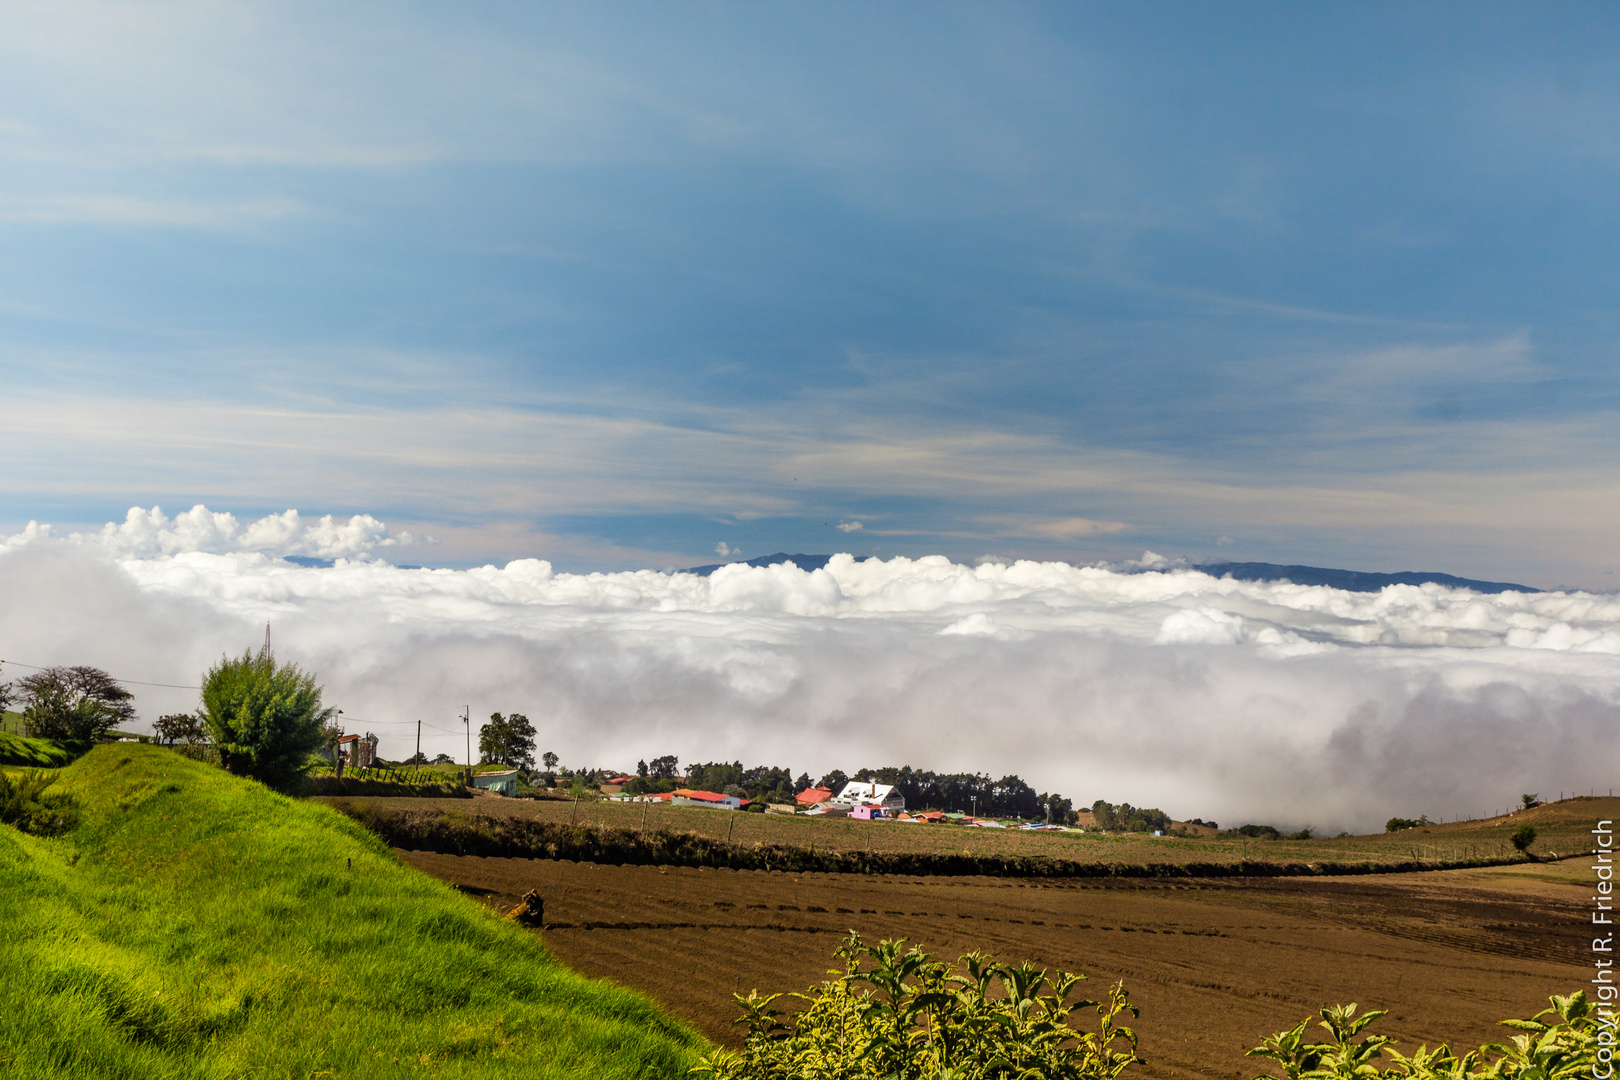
x=868 y=812
x=867 y=793
x=813 y=796
x=355 y=751
x=711 y=799
x=501 y=783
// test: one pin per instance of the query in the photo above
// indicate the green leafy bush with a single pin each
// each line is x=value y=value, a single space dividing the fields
x=1558 y=1043
x=26 y=804
x=1399 y=824
x=907 y=1016
x=264 y=718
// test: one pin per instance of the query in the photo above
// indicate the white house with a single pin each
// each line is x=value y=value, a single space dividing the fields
x=867 y=793
x=501 y=783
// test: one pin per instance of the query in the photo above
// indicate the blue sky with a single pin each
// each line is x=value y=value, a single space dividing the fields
x=614 y=285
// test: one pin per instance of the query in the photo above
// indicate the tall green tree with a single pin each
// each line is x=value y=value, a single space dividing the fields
x=74 y=704
x=180 y=727
x=266 y=718
x=507 y=740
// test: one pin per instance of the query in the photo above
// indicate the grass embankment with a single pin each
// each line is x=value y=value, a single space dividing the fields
x=32 y=753
x=454 y=832
x=615 y=832
x=197 y=925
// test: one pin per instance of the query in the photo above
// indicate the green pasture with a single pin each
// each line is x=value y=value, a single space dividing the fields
x=199 y=925
x=32 y=753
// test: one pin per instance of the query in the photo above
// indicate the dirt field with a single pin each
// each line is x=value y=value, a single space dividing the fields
x=1214 y=965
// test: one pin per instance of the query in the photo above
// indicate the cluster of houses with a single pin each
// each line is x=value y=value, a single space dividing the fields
x=862 y=800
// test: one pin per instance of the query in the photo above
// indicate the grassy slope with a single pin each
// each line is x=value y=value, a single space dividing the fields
x=197 y=925
x=38 y=753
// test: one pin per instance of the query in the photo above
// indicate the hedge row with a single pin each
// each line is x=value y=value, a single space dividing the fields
x=356 y=785
x=452 y=833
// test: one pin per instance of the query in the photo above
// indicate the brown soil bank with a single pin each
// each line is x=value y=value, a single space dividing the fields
x=1215 y=964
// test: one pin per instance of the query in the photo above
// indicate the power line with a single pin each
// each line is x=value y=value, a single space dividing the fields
x=178 y=686
x=132 y=682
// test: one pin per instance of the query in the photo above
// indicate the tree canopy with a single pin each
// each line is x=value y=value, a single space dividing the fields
x=507 y=740
x=74 y=704
x=180 y=727
x=266 y=718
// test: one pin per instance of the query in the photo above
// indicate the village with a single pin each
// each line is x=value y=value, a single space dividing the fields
x=858 y=800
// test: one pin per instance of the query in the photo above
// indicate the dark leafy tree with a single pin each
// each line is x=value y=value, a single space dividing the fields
x=507 y=740
x=549 y=760
x=834 y=781
x=1396 y=824
x=74 y=704
x=1523 y=837
x=443 y=759
x=1531 y=801
x=266 y=718
x=641 y=769
x=664 y=768
x=180 y=727
x=1128 y=818
x=1059 y=811
x=714 y=775
x=803 y=782
x=417 y=758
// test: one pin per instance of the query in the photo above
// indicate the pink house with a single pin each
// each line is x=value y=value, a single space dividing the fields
x=871 y=813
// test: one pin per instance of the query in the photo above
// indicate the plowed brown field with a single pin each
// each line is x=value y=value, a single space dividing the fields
x=1215 y=965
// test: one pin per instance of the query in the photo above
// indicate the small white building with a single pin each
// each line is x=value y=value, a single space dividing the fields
x=867 y=793
x=501 y=783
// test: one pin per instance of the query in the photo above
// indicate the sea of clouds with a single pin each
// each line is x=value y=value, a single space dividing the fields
x=1237 y=701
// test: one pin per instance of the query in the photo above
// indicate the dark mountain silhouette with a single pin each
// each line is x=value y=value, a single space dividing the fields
x=1351 y=580
x=803 y=562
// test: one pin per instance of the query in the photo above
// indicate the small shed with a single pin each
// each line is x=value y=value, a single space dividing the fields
x=867 y=812
x=501 y=783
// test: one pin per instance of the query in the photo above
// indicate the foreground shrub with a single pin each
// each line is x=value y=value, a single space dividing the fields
x=26 y=804
x=264 y=718
x=906 y=1016
x=1559 y=1043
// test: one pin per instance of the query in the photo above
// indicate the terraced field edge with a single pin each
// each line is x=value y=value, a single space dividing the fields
x=525 y=838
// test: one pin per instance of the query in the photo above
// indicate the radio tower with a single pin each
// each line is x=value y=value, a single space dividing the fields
x=266 y=652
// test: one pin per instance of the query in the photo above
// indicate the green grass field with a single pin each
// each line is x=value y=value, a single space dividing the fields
x=197 y=925
x=32 y=753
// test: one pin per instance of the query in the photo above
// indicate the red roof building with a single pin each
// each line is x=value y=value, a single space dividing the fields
x=814 y=795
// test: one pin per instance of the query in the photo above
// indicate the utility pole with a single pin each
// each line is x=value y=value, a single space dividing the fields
x=466 y=718
x=419 y=737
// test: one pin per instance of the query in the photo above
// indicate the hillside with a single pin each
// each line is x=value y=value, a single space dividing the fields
x=37 y=753
x=1353 y=580
x=196 y=925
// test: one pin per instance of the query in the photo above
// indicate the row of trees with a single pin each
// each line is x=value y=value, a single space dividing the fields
x=264 y=718
x=969 y=793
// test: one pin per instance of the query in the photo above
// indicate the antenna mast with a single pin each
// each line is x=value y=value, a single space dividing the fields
x=266 y=652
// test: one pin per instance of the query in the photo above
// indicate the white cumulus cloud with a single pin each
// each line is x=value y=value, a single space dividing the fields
x=1211 y=697
x=148 y=533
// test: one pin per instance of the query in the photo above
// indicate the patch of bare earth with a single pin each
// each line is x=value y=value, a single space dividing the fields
x=1214 y=964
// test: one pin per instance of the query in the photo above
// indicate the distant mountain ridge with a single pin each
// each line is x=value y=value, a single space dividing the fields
x=803 y=562
x=1352 y=580
x=1348 y=580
